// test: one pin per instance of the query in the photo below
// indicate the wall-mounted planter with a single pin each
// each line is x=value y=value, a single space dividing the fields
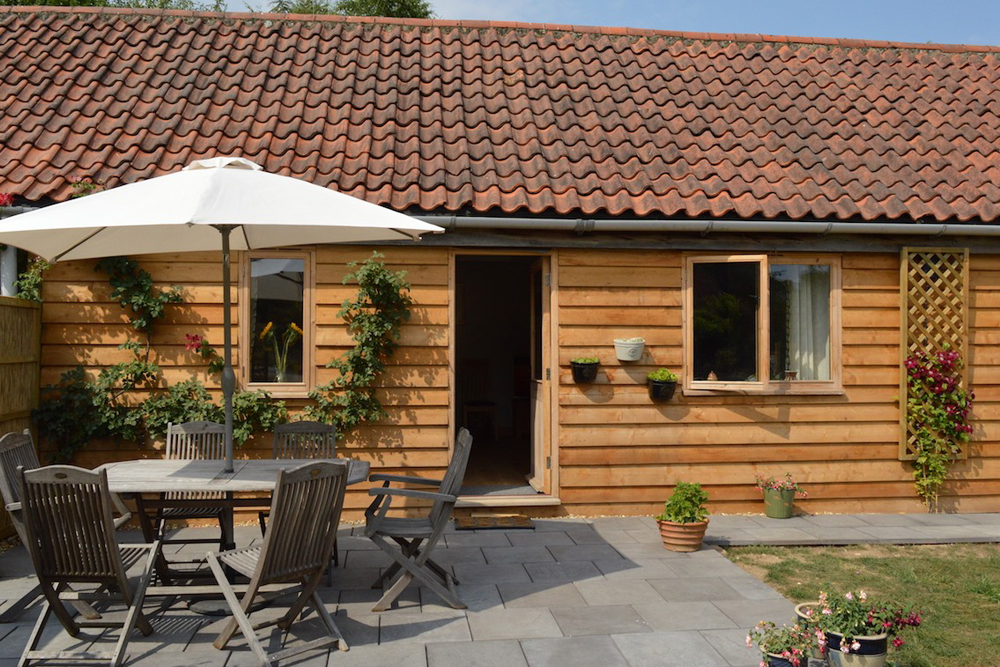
x=661 y=390
x=584 y=372
x=629 y=349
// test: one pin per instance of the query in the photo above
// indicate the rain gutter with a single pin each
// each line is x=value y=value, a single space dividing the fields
x=704 y=227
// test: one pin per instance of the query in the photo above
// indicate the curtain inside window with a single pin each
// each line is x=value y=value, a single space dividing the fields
x=806 y=327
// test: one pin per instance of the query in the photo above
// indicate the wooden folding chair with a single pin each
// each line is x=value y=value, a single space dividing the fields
x=305 y=514
x=67 y=515
x=304 y=440
x=17 y=450
x=195 y=441
x=416 y=537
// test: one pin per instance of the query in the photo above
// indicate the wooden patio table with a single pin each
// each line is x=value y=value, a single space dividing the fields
x=158 y=476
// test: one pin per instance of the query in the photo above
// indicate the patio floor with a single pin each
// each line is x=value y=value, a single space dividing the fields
x=599 y=592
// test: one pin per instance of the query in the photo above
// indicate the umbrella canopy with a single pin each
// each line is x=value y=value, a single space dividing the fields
x=219 y=203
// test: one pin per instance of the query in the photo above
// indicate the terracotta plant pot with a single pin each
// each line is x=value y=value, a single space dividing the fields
x=871 y=654
x=682 y=536
x=778 y=503
x=584 y=373
x=660 y=390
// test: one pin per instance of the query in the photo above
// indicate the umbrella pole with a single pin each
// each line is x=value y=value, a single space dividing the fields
x=228 y=376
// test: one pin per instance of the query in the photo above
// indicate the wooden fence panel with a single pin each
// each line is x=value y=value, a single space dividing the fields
x=20 y=354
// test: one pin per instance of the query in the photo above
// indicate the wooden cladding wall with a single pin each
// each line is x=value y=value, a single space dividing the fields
x=83 y=326
x=20 y=330
x=620 y=454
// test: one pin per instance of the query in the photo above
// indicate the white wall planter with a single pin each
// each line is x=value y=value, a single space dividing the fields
x=629 y=349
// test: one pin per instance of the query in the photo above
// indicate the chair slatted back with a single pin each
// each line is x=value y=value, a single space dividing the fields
x=305 y=440
x=17 y=450
x=305 y=514
x=452 y=481
x=195 y=441
x=67 y=516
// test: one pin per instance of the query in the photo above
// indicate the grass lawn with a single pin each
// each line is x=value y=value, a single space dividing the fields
x=956 y=587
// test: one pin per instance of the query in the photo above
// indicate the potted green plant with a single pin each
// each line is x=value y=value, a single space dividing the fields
x=787 y=646
x=684 y=518
x=629 y=349
x=584 y=369
x=859 y=631
x=779 y=495
x=662 y=384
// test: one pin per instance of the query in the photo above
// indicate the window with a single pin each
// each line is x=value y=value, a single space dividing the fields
x=756 y=322
x=277 y=312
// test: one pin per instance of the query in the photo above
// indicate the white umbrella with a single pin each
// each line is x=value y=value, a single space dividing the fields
x=188 y=210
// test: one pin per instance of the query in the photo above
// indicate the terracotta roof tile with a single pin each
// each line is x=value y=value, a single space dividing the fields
x=501 y=117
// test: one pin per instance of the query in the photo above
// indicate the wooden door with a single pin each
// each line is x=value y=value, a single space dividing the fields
x=541 y=376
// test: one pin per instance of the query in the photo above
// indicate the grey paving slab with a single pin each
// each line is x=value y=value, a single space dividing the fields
x=669 y=649
x=612 y=537
x=354 y=602
x=353 y=560
x=747 y=613
x=834 y=521
x=751 y=587
x=617 y=523
x=359 y=577
x=524 y=623
x=647 y=550
x=695 y=589
x=499 y=653
x=941 y=519
x=495 y=538
x=645 y=535
x=407 y=626
x=638 y=568
x=731 y=645
x=573 y=652
x=540 y=595
x=583 y=552
x=476 y=597
x=577 y=570
x=625 y=591
x=566 y=524
x=492 y=574
x=704 y=567
x=602 y=620
x=388 y=655
x=460 y=555
x=670 y=616
x=889 y=519
x=543 y=538
x=767 y=522
x=841 y=534
x=536 y=554
x=984 y=518
x=359 y=630
x=350 y=542
x=890 y=534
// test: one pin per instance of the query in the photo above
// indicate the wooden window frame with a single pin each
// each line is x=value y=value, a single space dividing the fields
x=282 y=389
x=765 y=385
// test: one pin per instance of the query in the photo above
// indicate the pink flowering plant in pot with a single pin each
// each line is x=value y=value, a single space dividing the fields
x=937 y=413
x=779 y=495
x=854 y=623
x=785 y=645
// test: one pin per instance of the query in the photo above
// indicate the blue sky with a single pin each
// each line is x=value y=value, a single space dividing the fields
x=943 y=21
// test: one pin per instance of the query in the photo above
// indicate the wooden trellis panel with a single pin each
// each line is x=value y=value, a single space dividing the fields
x=934 y=287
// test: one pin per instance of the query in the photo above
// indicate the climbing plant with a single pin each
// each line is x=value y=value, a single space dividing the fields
x=937 y=413
x=374 y=319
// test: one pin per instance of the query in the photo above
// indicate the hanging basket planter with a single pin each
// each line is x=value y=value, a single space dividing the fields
x=584 y=371
x=629 y=349
x=662 y=391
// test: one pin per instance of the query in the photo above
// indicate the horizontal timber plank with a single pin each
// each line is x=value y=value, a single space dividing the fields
x=418 y=315
x=404 y=356
x=618 y=297
x=84 y=314
x=731 y=414
x=741 y=453
x=607 y=394
x=410 y=335
x=340 y=254
x=100 y=292
x=734 y=434
x=569 y=335
x=619 y=258
x=869 y=336
x=879 y=318
x=173 y=272
x=114 y=334
x=416 y=274
x=620 y=277
x=870 y=278
x=652 y=355
x=621 y=316
x=422 y=295
x=869 y=261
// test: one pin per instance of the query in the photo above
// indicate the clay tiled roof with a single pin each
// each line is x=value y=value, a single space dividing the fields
x=506 y=118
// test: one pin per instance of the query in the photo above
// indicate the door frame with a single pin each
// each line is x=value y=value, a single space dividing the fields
x=551 y=493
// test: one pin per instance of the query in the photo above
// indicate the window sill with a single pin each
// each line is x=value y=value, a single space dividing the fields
x=769 y=391
x=281 y=390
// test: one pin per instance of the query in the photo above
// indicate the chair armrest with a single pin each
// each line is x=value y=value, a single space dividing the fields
x=12 y=507
x=403 y=479
x=412 y=493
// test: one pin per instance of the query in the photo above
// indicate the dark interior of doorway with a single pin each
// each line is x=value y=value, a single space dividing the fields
x=493 y=370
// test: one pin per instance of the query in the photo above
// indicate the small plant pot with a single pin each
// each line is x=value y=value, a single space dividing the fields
x=871 y=654
x=661 y=390
x=803 y=619
x=778 y=503
x=777 y=661
x=626 y=350
x=682 y=536
x=584 y=373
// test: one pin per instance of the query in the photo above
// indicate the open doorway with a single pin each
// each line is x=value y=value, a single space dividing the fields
x=499 y=354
